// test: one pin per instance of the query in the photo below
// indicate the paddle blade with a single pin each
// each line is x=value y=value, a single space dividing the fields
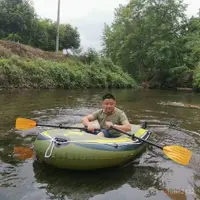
x=178 y=154
x=23 y=153
x=24 y=124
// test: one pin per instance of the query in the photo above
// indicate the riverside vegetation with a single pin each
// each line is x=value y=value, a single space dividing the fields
x=22 y=66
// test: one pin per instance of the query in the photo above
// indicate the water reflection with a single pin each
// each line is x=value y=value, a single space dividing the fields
x=79 y=185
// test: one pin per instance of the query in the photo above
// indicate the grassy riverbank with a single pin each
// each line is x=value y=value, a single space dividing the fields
x=22 y=66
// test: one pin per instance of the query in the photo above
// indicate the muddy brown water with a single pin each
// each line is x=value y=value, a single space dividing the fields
x=147 y=177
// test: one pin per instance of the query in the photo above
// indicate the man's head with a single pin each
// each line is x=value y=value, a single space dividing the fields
x=108 y=103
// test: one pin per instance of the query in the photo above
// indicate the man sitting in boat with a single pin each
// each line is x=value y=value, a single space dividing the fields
x=107 y=117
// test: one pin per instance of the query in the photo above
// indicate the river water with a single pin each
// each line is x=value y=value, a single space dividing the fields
x=150 y=176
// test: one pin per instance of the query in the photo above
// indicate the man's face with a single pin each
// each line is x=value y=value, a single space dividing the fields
x=108 y=105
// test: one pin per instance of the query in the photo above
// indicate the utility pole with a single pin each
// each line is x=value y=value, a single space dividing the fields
x=58 y=24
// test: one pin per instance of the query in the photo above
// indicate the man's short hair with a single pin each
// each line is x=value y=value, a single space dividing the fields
x=108 y=96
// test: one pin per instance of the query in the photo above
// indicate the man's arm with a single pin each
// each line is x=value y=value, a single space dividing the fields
x=86 y=120
x=125 y=127
x=124 y=123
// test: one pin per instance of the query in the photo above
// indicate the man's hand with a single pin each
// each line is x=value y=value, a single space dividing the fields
x=108 y=124
x=90 y=127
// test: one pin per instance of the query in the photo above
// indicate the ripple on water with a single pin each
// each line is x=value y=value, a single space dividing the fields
x=8 y=175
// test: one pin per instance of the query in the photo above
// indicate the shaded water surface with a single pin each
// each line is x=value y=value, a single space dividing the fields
x=150 y=176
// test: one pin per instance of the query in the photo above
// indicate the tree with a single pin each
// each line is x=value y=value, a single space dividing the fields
x=144 y=38
x=19 y=22
x=16 y=17
x=190 y=41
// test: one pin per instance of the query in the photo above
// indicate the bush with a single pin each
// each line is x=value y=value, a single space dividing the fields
x=40 y=73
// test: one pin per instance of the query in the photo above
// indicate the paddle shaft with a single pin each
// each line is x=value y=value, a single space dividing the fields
x=151 y=143
x=61 y=126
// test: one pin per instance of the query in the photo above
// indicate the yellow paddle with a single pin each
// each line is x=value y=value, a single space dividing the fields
x=176 y=153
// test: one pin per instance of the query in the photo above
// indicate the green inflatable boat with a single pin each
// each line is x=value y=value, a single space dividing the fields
x=79 y=150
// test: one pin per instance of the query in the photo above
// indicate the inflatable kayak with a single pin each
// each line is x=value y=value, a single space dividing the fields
x=80 y=150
